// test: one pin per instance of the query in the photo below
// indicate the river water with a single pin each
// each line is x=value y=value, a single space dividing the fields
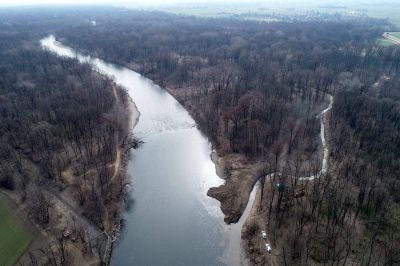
x=172 y=221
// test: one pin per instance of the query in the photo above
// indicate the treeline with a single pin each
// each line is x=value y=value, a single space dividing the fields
x=60 y=127
x=255 y=89
x=350 y=216
x=245 y=82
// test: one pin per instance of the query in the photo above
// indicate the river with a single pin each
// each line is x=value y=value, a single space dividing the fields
x=172 y=221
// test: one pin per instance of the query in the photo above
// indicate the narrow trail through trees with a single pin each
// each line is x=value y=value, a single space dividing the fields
x=324 y=165
x=117 y=161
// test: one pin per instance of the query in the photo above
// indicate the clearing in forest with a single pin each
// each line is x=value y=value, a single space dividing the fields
x=395 y=34
x=15 y=236
x=390 y=38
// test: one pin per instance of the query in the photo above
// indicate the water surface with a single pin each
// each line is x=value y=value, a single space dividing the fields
x=172 y=220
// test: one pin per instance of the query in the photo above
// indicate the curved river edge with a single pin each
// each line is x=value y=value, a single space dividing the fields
x=112 y=231
x=232 y=234
x=240 y=208
x=247 y=197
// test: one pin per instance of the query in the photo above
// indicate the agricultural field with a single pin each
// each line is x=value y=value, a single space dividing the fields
x=384 y=42
x=395 y=34
x=15 y=236
x=389 y=39
x=275 y=10
x=384 y=9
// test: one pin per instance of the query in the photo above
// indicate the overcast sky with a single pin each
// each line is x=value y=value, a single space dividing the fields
x=141 y=2
x=32 y=2
x=166 y=2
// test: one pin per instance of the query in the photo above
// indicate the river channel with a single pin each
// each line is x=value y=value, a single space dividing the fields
x=172 y=221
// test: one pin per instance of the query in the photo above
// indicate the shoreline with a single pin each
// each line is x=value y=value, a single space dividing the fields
x=134 y=115
x=228 y=168
x=240 y=175
x=67 y=214
x=231 y=168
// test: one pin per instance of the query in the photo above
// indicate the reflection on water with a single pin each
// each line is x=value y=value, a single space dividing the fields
x=171 y=220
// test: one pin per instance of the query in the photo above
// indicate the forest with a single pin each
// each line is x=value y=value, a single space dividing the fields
x=255 y=89
x=61 y=126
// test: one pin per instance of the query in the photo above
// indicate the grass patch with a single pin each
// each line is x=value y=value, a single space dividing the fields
x=383 y=9
x=395 y=34
x=385 y=42
x=15 y=236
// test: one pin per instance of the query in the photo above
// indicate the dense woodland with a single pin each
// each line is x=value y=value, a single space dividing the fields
x=255 y=90
x=226 y=64
x=60 y=126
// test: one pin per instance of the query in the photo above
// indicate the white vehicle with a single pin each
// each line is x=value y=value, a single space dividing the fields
x=264 y=234
x=268 y=247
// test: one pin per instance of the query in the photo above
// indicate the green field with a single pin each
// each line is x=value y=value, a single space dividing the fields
x=268 y=9
x=395 y=34
x=15 y=236
x=385 y=42
x=385 y=9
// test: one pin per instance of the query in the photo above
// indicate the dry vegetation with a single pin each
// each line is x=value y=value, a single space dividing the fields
x=64 y=142
x=255 y=90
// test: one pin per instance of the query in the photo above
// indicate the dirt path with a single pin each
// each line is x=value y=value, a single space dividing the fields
x=118 y=150
x=256 y=200
x=233 y=236
x=325 y=156
x=115 y=94
x=117 y=163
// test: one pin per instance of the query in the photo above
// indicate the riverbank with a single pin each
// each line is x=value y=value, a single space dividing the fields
x=89 y=171
x=240 y=177
x=68 y=218
x=126 y=108
x=167 y=129
x=240 y=174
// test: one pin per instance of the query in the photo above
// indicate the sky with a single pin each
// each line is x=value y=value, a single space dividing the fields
x=167 y=2
x=35 y=2
x=139 y=2
x=150 y=2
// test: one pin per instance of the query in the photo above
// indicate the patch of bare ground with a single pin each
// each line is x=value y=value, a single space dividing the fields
x=240 y=176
